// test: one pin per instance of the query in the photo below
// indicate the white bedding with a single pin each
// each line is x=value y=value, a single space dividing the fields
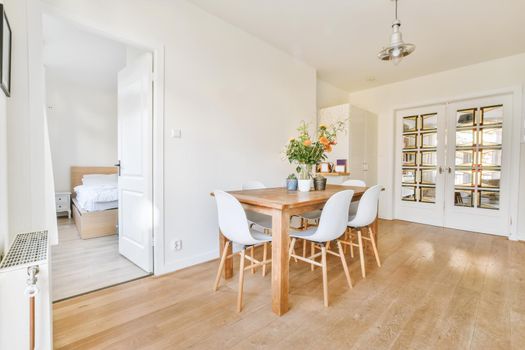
x=97 y=197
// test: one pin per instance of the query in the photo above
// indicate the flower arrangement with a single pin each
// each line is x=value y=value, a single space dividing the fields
x=305 y=151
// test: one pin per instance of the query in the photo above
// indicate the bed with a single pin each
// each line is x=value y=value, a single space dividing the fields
x=93 y=218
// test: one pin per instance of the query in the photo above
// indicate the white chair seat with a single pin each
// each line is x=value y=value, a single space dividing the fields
x=260 y=236
x=261 y=220
x=303 y=233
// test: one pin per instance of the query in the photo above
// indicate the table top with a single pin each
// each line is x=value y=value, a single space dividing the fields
x=281 y=198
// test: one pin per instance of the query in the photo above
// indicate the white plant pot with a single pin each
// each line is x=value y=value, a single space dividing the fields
x=304 y=185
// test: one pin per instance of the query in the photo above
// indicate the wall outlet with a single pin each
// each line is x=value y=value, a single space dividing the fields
x=177 y=245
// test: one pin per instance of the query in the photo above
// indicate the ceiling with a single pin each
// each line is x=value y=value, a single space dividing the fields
x=341 y=38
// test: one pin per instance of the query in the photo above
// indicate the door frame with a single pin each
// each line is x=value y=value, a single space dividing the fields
x=514 y=167
x=158 y=51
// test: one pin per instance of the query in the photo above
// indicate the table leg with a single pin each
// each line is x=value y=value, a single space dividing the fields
x=280 y=224
x=228 y=264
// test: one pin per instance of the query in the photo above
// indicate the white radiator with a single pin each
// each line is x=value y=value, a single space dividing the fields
x=27 y=251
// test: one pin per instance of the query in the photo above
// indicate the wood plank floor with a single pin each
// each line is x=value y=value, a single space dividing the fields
x=84 y=265
x=437 y=289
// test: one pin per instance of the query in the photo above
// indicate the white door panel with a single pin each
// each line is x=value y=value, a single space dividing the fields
x=135 y=120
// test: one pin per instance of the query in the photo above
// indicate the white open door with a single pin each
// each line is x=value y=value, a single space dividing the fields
x=135 y=128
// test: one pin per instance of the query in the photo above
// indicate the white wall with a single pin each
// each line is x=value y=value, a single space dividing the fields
x=3 y=175
x=329 y=95
x=29 y=199
x=236 y=99
x=479 y=78
x=81 y=97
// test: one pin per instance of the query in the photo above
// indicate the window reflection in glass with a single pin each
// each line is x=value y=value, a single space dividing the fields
x=429 y=140
x=490 y=178
x=492 y=115
x=409 y=124
x=464 y=158
x=409 y=158
x=409 y=141
x=429 y=158
x=491 y=157
x=464 y=198
x=409 y=176
x=465 y=117
x=429 y=122
x=489 y=199
x=464 y=138
x=464 y=178
x=408 y=193
x=491 y=136
x=428 y=194
x=428 y=176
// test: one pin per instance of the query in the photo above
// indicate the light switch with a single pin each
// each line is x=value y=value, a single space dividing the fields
x=175 y=133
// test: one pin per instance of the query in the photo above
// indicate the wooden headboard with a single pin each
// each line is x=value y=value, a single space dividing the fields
x=77 y=172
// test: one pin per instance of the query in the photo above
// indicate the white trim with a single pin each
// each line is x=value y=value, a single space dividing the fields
x=158 y=51
x=517 y=96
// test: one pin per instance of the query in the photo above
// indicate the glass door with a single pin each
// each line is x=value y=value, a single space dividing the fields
x=476 y=174
x=419 y=169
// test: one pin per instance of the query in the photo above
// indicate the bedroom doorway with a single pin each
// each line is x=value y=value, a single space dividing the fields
x=99 y=97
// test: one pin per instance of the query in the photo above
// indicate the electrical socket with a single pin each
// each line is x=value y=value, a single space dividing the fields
x=177 y=245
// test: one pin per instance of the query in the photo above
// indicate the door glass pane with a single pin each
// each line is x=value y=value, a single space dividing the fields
x=491 y=136
x=429 y=158
x=409 y=158
x=464 y=158
x=464 y=178
x=409 y=141
x=490 y=178
x=409 y=124
x=409 y=176
x=492 y=115
x=429 y=122
x=408 y=193
x=489 y=199
x=428 y=194
x=464 y=138
x=465 y=117
x=491 y=157
x=428 y=176
x=464 y=198
x=429 y=140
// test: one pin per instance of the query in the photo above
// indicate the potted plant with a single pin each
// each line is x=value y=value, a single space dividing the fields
x=291 y=182
x=319 y=182
x=305 y=152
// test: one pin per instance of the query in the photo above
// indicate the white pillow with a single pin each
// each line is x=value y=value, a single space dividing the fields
x=99 y=179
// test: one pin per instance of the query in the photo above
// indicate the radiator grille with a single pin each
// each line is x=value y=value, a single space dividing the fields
x=27 y=248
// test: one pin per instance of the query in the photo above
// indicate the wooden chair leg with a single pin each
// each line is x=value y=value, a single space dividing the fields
x=304 y=248
x=374 y=247
x=312 y=252
x=351 y=246
x=345 y=238
x=325 y=275
x=361 y=253
x=252 y=253
x=265 y=255
x=292 y=245
x=221 y=266
x=241 y=281
x=345 y=266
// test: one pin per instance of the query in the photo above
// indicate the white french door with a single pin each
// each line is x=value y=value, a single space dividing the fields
x=453 y=164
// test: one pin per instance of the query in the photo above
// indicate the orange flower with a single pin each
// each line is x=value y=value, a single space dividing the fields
x=324 y=140
x=334 y=142
x=328 y=148
x=307 y=143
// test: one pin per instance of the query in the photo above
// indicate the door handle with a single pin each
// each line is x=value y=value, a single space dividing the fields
x=449 y=169
x=440 y=169
x=118 y=166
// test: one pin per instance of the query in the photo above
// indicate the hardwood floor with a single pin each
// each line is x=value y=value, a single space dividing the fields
x=437 y=289
x=84 y=265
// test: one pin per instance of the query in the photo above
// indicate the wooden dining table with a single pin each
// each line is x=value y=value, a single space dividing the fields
x=281 y=205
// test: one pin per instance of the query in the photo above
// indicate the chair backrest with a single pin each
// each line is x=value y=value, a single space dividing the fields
x=354 y=182
x=367 y=210
x=334 y=217
x=232 y=219
x=253 y=185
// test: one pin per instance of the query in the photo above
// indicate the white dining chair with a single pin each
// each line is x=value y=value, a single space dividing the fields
x=355 y=204
x=332 y=225
x=234 y=226
x=258 y=222
x=364 y=218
